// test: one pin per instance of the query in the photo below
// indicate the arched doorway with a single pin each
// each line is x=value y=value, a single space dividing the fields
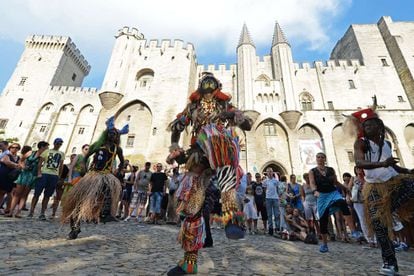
x=276 y=167
x=409 y=137
x=269 y=141
x=139 y=117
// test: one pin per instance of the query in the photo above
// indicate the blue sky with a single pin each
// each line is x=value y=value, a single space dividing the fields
x=312 y=27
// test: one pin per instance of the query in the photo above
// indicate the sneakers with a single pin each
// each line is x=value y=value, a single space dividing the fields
x=271 y=232
x=323 y=248
x=356 y=234
x=401 y=247
x=42 y=217
x=388 y=270
x=30 y=215
x=127 y=218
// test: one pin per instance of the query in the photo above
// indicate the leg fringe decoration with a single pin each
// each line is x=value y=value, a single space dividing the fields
x=189 y=263
x=380 y=208
x=85 y=201
x=229 y=208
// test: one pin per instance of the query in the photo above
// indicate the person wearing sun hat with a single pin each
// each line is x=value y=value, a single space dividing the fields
x=388 y=190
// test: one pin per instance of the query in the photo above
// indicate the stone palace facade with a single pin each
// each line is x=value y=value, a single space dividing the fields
x=297 y=107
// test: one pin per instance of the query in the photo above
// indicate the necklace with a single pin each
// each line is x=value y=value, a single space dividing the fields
x=322 y=171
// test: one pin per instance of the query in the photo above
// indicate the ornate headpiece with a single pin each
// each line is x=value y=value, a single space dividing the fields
x=365 y=114
x=353 y=123
x=208 y=83
x=110 y=124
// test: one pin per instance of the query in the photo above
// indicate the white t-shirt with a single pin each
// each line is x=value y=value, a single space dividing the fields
x=383 y=174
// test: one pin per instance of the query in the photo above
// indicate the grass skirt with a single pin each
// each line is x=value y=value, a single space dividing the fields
x=381 y=207
x=84 y=202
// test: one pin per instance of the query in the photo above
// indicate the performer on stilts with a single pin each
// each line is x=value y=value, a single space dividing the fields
x=95 y=197
x=214 y=150
x=388 y=190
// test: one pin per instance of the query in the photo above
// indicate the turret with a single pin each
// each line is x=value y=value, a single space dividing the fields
x=283 y=66
x=246 y=66
x=127 y=44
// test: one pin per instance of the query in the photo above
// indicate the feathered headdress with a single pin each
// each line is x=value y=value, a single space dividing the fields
x=110 y=125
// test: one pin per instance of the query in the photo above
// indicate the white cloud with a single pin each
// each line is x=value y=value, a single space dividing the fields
x=200 y=22
x=92 y=23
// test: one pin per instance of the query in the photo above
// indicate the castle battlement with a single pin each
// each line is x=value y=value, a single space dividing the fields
x=220 y=69
x=55 y=42
x=73 y=90
x=337 y=64
x=130 y=32
x=166 y=44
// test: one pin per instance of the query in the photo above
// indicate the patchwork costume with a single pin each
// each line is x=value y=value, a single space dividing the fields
x=215 y=149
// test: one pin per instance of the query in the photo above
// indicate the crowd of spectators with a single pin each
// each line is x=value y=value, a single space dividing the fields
x=272 y=205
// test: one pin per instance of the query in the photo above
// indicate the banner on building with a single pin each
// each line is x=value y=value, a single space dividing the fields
x=308 y=150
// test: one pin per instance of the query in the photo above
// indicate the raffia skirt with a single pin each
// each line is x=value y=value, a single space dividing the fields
x=378 y=202
x=85 y=201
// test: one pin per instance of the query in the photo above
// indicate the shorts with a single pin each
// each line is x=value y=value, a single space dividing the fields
x=261 y=209
x=127 y=193
x=138 y=199
x=155 y=202
x=47 y=183
x=311 y=212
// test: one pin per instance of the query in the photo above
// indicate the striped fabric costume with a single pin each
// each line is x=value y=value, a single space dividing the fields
x=214 y=150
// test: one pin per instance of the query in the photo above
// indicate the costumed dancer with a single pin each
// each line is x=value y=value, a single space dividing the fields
x=214 y=150
x=388 y=190
x=95 y=197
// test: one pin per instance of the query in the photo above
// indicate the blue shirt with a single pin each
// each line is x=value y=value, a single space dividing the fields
x=241 y=190
x=272 y=188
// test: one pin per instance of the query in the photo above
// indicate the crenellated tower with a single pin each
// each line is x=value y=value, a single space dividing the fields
x=246 y=67
x=48 y=61
x=127 y=41
x=282 y=64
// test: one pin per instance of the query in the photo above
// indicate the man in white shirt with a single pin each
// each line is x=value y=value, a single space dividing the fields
x=388 y=188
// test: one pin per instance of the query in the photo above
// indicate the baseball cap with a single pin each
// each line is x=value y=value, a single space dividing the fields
x=58 y=141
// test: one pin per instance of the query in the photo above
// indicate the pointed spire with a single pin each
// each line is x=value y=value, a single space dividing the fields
x=278 y=35
x=245 y=37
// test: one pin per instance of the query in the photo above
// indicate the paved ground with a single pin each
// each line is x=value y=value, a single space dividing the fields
x=33 y=247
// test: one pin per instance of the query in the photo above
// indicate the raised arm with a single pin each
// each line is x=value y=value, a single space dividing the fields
x=120 y=155
x=237 y=117
x=177 y=126
x=71 y=167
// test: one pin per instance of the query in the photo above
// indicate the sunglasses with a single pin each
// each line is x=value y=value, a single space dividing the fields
x=14 y=147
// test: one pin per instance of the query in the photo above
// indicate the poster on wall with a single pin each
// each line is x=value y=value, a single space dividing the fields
x=308 y=150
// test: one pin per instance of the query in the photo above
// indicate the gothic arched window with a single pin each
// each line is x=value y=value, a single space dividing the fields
x=306 y=101
x=144 y=77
